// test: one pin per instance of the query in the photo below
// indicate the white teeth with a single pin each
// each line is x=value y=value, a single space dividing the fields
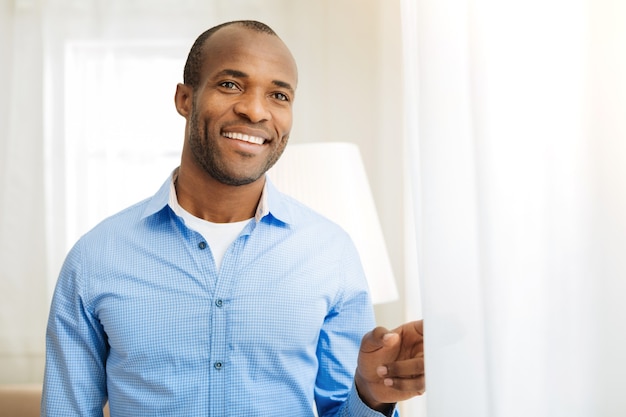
x=245 y=138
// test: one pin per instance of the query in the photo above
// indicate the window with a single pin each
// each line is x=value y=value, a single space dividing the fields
x=121 y=135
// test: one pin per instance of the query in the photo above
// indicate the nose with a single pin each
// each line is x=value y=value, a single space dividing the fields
x=253 y=106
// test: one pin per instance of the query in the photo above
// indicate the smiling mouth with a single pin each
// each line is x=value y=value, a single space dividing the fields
x=245 y=138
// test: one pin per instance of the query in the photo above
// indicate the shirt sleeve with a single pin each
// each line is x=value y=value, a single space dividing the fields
x=76 y=346
x=356 y=407
x=340 y=340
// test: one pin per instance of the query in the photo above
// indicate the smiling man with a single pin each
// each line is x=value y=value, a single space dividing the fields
x=238 y=105
x=220 y=296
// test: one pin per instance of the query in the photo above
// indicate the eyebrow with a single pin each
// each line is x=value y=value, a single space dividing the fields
x=241 y=74
x=284 y=85
x=232 y=73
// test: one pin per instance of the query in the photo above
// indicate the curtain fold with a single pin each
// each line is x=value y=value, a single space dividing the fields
x=519 y=152
x=23 y=293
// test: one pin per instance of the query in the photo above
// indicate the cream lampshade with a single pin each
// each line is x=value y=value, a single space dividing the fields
x=330 y=178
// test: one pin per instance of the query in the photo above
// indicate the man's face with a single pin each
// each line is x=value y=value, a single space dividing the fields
x=241 y=113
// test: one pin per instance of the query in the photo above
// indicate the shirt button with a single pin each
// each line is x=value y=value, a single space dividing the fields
x=202 y=245
x=219 y=303
x=218 y=365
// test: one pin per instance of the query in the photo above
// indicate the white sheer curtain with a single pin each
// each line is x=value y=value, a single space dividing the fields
x=23 y=293
x=516 y=117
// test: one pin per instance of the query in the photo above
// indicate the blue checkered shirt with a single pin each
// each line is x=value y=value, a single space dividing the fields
x=141 y=317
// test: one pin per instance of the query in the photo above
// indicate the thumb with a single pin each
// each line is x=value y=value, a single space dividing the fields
x=377 y=339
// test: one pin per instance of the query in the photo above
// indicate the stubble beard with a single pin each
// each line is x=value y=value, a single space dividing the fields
x=207 y=155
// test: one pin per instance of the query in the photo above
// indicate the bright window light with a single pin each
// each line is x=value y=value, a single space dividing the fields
x=122 y=133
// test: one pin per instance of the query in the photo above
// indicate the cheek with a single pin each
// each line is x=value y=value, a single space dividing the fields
x=284 y=122
x=205 y=126
x=210 y=110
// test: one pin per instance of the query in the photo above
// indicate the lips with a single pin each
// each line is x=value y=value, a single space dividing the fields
x=244 y=137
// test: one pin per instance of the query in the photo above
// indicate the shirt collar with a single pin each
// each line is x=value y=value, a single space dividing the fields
x=272 y=201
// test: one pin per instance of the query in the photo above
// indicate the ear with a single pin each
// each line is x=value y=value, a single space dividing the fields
x=183 y=99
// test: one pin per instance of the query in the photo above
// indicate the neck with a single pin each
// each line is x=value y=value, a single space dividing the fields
x=208 y=199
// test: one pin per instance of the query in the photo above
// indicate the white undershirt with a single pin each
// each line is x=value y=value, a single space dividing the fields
x=219 y=236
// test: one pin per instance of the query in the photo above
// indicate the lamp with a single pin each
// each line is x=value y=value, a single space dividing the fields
x=330 y=178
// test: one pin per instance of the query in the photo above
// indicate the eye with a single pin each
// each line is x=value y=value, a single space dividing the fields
x=229 y=85
x=280 y=96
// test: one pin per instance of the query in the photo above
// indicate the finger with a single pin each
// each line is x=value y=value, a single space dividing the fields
x=403 y=369
x=419 y=326
x=415 y=386
x=376 y=339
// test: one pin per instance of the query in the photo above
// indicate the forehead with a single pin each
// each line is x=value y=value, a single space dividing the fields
x=255 y=53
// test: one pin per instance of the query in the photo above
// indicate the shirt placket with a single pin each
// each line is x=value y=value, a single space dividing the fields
x=221 y=371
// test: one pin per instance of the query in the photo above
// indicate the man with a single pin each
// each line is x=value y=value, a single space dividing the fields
x=219 y=296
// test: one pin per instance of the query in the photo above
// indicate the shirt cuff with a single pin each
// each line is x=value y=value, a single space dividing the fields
x=356 y=407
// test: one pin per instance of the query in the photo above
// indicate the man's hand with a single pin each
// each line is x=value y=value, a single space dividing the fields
x=391 y=365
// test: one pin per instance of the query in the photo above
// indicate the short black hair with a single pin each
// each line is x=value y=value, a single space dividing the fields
x=191 y=73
